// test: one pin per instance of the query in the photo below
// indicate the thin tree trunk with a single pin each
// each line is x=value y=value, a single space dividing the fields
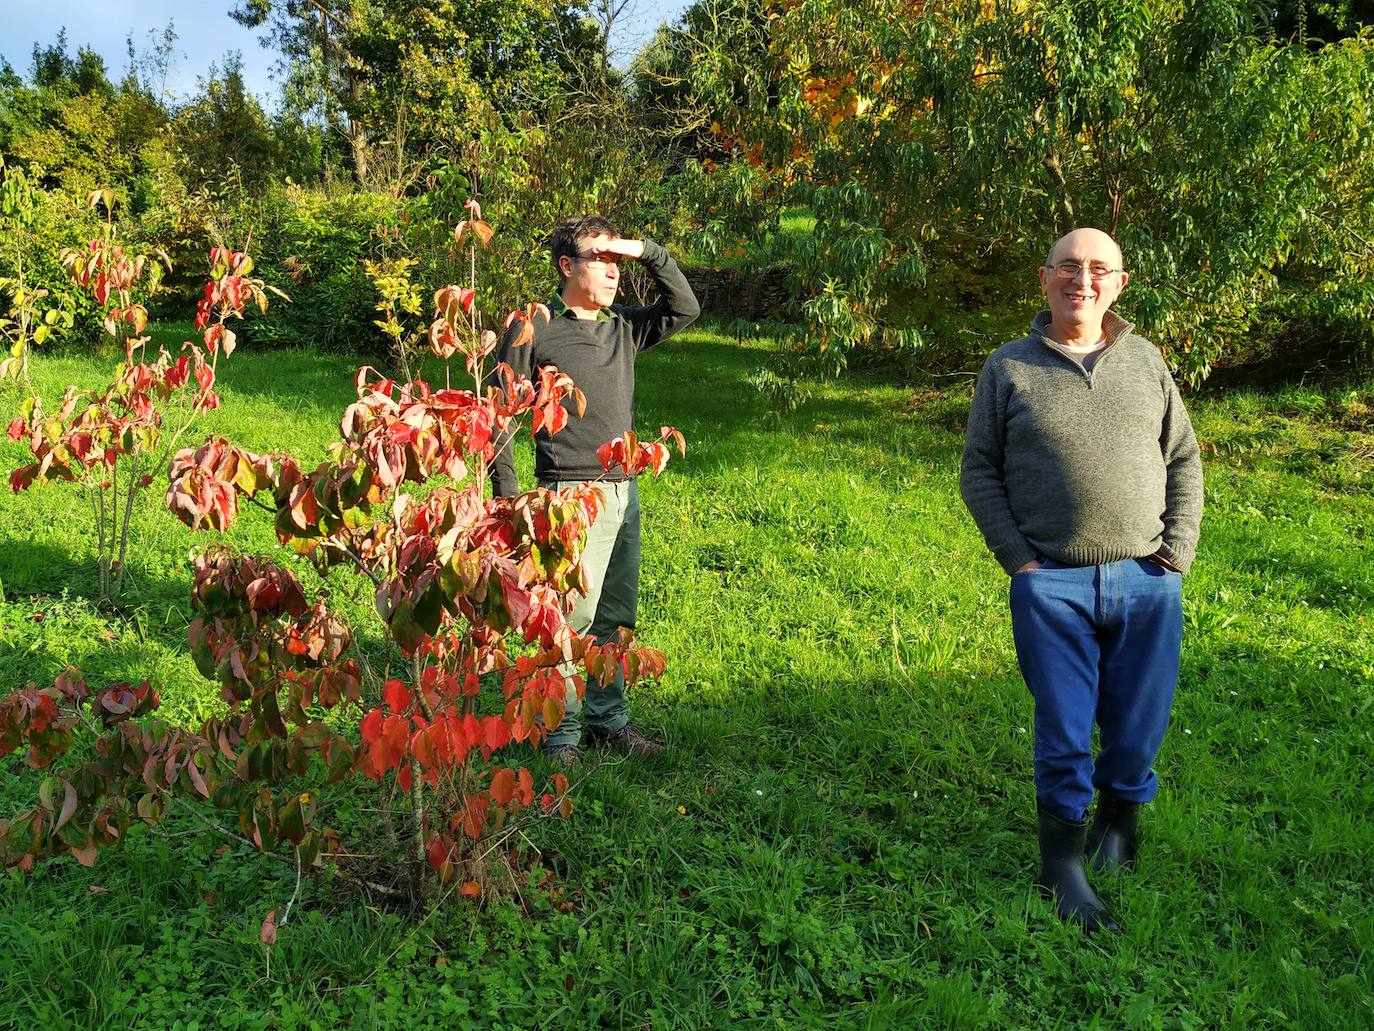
x=128 y=515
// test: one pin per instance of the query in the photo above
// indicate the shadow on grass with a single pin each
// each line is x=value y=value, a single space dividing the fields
x=30 y=570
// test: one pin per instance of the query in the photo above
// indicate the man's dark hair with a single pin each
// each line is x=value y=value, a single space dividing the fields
x=569 y=235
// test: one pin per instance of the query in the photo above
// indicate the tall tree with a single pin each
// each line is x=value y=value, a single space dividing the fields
x=394 y=78
x=942 y=143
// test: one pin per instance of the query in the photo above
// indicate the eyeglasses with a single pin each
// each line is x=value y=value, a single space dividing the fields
x=598 y=259
x=1070 y=270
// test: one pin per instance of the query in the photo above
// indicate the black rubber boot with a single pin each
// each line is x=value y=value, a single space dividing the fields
x=1111 y=841
x=1061 y=873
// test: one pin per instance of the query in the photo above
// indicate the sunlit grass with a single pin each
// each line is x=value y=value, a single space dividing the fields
x=849 y=743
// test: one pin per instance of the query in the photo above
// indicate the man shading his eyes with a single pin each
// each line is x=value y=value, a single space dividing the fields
x=596 y=342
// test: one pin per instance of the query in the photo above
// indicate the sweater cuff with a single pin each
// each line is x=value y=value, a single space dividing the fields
x=1179 y=555
x=1015 y=556
x=654 y=255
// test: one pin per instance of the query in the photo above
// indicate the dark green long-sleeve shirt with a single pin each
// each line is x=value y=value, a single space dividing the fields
x=599 y=355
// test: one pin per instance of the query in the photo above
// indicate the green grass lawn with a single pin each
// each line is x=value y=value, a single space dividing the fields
x=841 y=834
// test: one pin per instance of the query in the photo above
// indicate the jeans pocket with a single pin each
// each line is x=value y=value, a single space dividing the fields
x=1153 y=568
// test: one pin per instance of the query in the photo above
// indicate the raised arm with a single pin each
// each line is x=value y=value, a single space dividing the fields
x=676 y=307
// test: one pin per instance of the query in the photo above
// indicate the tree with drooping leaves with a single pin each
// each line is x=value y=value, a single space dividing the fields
x=111 y=440
x=942 y=145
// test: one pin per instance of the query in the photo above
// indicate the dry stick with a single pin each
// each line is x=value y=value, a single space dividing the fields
x=128 y=516
x=99 y=521
x=100 y=537
x=417 y=795
x=286 y=916
x=480 y=476
x=417 y=799
x=114 y=526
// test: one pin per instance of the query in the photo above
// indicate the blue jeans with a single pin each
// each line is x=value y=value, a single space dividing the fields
x=1097 y=644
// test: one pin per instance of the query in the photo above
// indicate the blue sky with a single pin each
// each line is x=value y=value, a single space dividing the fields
x=205 y=33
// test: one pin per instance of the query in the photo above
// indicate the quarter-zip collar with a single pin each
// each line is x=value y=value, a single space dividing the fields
x=1114 y=328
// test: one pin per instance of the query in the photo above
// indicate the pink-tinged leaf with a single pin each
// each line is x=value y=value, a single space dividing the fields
x=267 y=933
x=197 y=781
x=657 y=457
x=85 y=854
x=68 y=807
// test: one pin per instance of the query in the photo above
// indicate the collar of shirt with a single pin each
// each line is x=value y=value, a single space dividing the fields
x=559 y=309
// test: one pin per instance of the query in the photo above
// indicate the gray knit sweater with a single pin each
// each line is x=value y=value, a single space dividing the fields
x=1081 y=467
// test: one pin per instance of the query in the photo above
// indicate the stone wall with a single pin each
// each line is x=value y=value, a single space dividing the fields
x=755 y=294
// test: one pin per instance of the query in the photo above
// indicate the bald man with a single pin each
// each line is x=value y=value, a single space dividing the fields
x=1082 y=472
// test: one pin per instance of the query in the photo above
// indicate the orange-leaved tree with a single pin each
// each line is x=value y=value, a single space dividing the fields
x=111 y=440
x=473 y=593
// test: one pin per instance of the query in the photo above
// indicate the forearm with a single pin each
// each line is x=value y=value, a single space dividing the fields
x=1183 y=490
x=1182 y=512
x=982 y=483
x=675 y=293
x=986 y=500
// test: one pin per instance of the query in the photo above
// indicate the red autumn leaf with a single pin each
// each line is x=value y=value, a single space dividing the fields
x=422 y=748
x=502 y=786
x=438 y=852
x=396 y=696
x=395 y=733
x=371 y=727
x=495 y=732
x=656 y=457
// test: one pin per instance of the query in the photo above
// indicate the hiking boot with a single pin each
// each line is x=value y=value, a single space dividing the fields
x=629 y=740
x=567 y=756
x=1061 y=875
x=1111 y=841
